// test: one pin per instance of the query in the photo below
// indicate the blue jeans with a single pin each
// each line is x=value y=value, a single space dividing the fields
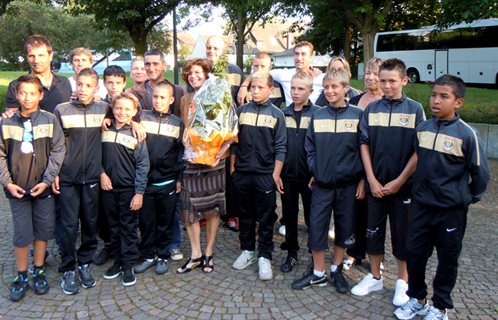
x=177 y=236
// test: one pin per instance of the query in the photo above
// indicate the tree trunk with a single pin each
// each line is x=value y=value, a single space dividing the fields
x=347 y=42
x=368 y=45
x=240 y=40
x=139 y=39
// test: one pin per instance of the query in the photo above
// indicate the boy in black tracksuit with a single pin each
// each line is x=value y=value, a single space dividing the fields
x=332 y=145
x=449 y=152
x=256 y=163
x=164 y=142
x=31 y=153
x=78 y=181
x=295 y=173
x=387 y=133
x=125 y=163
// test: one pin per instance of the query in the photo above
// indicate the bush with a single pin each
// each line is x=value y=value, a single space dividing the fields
x=5 y=66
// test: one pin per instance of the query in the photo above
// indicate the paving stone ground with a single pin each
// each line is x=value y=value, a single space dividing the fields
x=233 y=294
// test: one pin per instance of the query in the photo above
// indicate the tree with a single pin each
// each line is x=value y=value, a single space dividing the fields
x=184 y=52
x=243 y=15
x=136 y=17
x=456 y=11
x=64 y=31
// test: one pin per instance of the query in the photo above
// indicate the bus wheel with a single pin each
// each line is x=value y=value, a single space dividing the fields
x=413 y=76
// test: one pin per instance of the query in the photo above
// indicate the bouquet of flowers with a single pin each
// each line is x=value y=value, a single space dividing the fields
x=212 y=120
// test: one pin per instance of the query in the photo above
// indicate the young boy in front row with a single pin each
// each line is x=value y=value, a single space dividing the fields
x=31 y=152
x=295 y=174
x=164 y=142
x=449 y=152
x=125 y=163
x=335 y=163
x=256 y=163
x=387 y=133
x=78 y=181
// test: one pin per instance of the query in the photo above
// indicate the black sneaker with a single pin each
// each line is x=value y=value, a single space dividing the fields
x=162 y=266
x=289 y=263
x=129 y=278
x=86 y=278
x=113 y=272
x=340 y=282
x=19 y=288
x=309 y=280
x=41 y=284
x=69 y=284
x=102 y=257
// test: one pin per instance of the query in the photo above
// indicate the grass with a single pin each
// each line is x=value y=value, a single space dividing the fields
x=7 y=76
x=481 y=105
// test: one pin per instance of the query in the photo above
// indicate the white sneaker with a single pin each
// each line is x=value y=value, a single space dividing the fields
x=245 y=259
x=411 y=309
x=367 y=285
x=281 y=230
x=332 y=233
x=436 y=314
x=400 y=297
x=265 y=272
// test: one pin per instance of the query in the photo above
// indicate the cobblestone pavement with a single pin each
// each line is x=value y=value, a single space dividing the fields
x=233 y=294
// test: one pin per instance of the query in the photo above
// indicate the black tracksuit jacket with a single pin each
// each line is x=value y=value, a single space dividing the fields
x=81 y=124
x=125 y=159
x=449 y=151
x=262 y=138
x=388 y=127
x=164 y=142
x=296 y=167
x=333 y=148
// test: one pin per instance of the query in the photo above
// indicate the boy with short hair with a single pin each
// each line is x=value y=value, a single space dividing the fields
x=256 y=163
x=125 y=162
x=387 y=134
x=295 y=174
x=335 y=163
x=114 y=82
x=31 y=152
x=164 y=142
x=79 y=178
x=449 y=152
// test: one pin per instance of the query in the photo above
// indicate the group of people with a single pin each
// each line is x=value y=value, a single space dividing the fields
x=361 y=156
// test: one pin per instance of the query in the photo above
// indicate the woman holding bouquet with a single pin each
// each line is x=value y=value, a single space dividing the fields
x=203 y=187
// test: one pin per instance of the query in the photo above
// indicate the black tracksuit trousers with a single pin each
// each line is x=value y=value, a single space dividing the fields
x=358 y=251
x=123 y=226
x=290 y=212
x=231 y=203
x=429 y=228
x=256 y=200
x=156 y=220
x=104 y=232
x=78 y=203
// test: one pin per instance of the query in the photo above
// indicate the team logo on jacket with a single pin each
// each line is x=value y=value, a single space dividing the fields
x=348 y=125
x=97 y=119
x=126 y=140
x=43 y=130
x=403 y=119
x=267 y=122
x=448 y=144
x=170 y=129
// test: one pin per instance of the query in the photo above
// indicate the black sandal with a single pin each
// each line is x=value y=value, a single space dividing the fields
x=207 y=260
x=186 y=269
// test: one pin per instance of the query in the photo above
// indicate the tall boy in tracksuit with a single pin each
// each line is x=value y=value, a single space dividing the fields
x=332 y=146
x=31 y=153
x=449 y=152
x=256 y=163
x=78 y=181
x=125 y=163
x=387 y=134
x=295 y=173
x=164 y=142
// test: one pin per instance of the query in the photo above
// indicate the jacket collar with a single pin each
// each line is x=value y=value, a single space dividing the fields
x=446 y=123
x=265 y=104
x=126 y=126
x=33 y=116
x=155 y=113
x=395 y=102
x=78 y=104
x=334 y=109
x=289 y=111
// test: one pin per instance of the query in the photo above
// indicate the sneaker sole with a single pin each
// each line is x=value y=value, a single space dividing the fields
x=84 y=286
x=129 y=284
x=68 y=292
x=324 y=284
x=40 y=292
x=176 y=258
x=245 y=265
x=114 y=276
x=142 y=271
x=266 y=278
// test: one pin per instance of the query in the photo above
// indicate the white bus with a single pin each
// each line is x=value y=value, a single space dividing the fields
x=469 y=51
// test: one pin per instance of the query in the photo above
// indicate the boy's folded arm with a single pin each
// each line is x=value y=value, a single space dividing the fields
x=478 y=167
x=56 y=157
x=393 y=186
x=142 y=166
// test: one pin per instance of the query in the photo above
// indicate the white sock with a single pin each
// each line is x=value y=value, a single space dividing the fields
x=333 y=268
x=319 y=273
x=150 y=260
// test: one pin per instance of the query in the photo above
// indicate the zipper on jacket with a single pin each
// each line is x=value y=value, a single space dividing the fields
x=297 y=138
x=388 y=125
x=426 y=180
x=84 y=144
x=254 y=144
x=334 y=153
